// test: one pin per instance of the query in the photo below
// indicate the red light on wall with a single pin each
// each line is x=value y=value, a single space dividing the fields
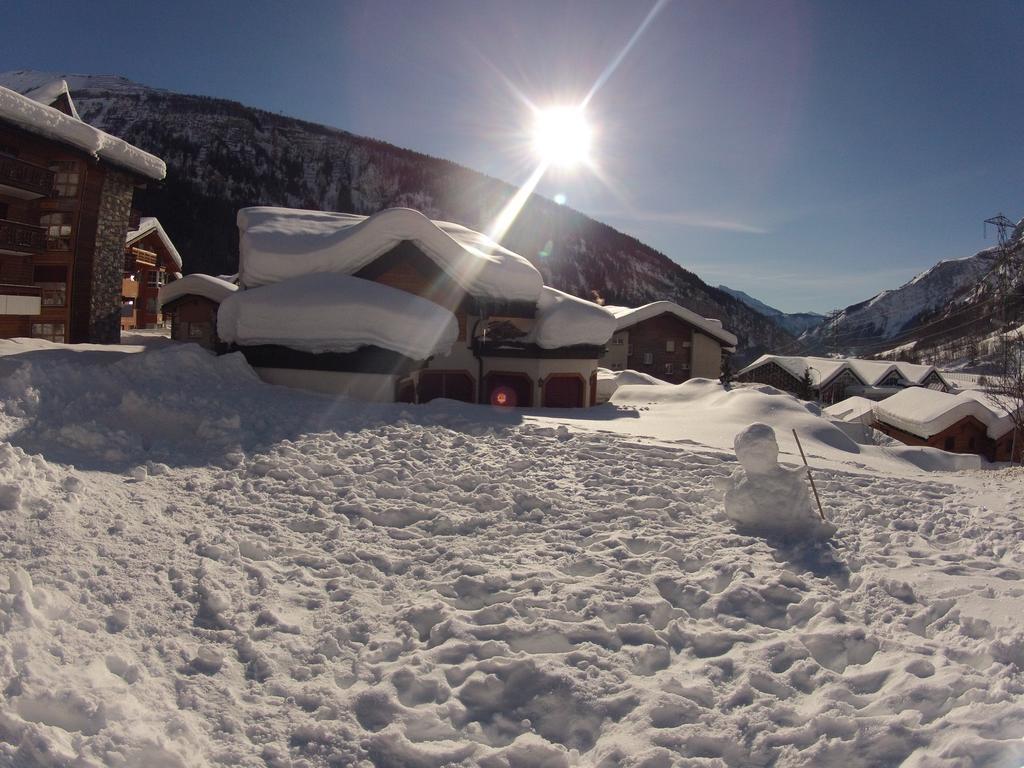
x=503 y=397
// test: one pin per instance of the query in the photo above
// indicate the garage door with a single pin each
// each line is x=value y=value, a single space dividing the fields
x=453 y=385
x=509 y=389
x=563 y=392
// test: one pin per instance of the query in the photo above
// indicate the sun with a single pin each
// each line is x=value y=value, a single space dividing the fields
x=561 y=136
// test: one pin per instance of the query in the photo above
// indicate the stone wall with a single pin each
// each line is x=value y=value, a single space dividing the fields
x=108 y=260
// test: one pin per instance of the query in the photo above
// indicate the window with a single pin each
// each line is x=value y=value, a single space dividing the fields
x=950 y=443
x=53 y=285
x=618 y=340
x=670 y=345
x=65 y=178
x=971 y=444
x=128 y=309
x=151 y=306
x=629 y=350
x=668 y=367
x=648 y=358
x=197 y=330
x=155 y=278
x=49 y=331
x=58 y=230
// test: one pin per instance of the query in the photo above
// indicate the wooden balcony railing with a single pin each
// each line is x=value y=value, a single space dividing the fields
x=24 y=238
x=26 y=176
x=11 y=289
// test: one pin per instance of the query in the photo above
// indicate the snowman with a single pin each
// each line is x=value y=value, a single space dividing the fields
x=766 y=499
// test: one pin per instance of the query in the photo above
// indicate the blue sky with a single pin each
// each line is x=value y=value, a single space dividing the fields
x=810 y=154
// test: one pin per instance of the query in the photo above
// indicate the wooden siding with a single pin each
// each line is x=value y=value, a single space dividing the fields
x=650 y=337
x=968 y=435
x=773 y=375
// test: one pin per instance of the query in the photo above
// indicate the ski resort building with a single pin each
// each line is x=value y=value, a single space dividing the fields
x=830 y=380
x=667 y=341
x=967 y=422
x=394 y=307
x=66 y=193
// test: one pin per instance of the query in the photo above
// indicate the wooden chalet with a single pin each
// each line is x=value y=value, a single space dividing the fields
x=397 y=307
x=667 y=341
x=831 y=380
x=65 y=201
x=967 y=422
x=150 y=262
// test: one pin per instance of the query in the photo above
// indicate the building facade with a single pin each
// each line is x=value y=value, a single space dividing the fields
x=64 y=215
x=667 y=341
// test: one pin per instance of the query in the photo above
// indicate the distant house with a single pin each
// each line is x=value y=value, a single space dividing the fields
x=150 y=261
x=395 y=307
x=830 y=380
x=667 y=341
x=66 y=193
x=967 y=422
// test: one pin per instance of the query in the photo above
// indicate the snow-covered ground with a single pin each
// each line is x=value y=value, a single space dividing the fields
x=201 y=569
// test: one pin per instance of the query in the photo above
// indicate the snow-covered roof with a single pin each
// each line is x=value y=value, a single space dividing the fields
x=44 y=120
x=852 y=409
x=337 y=313
x=280 y=243
x=827 y=368
x=926 y=412
x=212 y=288
x=628 y=316
x=564 y=321
x=51 y=91
x=147 y=226
x=870 y=372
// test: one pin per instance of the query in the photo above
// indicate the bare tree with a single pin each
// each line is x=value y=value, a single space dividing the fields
x=1009 y=392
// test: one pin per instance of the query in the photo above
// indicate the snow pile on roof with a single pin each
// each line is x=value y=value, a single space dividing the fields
x=337 y=313
x=926 y=412
x=852 y=409
x=824 y=369
x=147 y=226
x=54 y=124
x=627 y=316
x=280 y=243
x=212 y=288
x=49 y=92
x=564 y=320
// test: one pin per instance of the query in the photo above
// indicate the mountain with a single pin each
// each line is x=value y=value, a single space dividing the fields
x=940 y=316
x=795 y=323
x=222 y=156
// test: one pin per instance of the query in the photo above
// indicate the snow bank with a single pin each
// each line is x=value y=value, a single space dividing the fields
x=926 y=412
x=627 y=316
x=280 y=243
x=54 y=124
x=212 y=288
x=702 y=411
x=609 y=381
x=148 y=225
x=337 y=313
x=564 y=320
x=268 y=577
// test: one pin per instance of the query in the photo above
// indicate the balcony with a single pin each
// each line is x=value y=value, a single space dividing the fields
x=17 y=237
x=24 y=180
x=19 y=299
x=129 y=288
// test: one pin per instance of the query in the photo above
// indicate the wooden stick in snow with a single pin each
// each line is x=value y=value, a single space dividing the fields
x=809 y=475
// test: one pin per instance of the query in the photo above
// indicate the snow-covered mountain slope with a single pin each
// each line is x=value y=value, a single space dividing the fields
x=201 y=570
x=223 y=156
x=794 y=322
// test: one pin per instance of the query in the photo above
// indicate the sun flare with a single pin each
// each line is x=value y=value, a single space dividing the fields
x=562 y=136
